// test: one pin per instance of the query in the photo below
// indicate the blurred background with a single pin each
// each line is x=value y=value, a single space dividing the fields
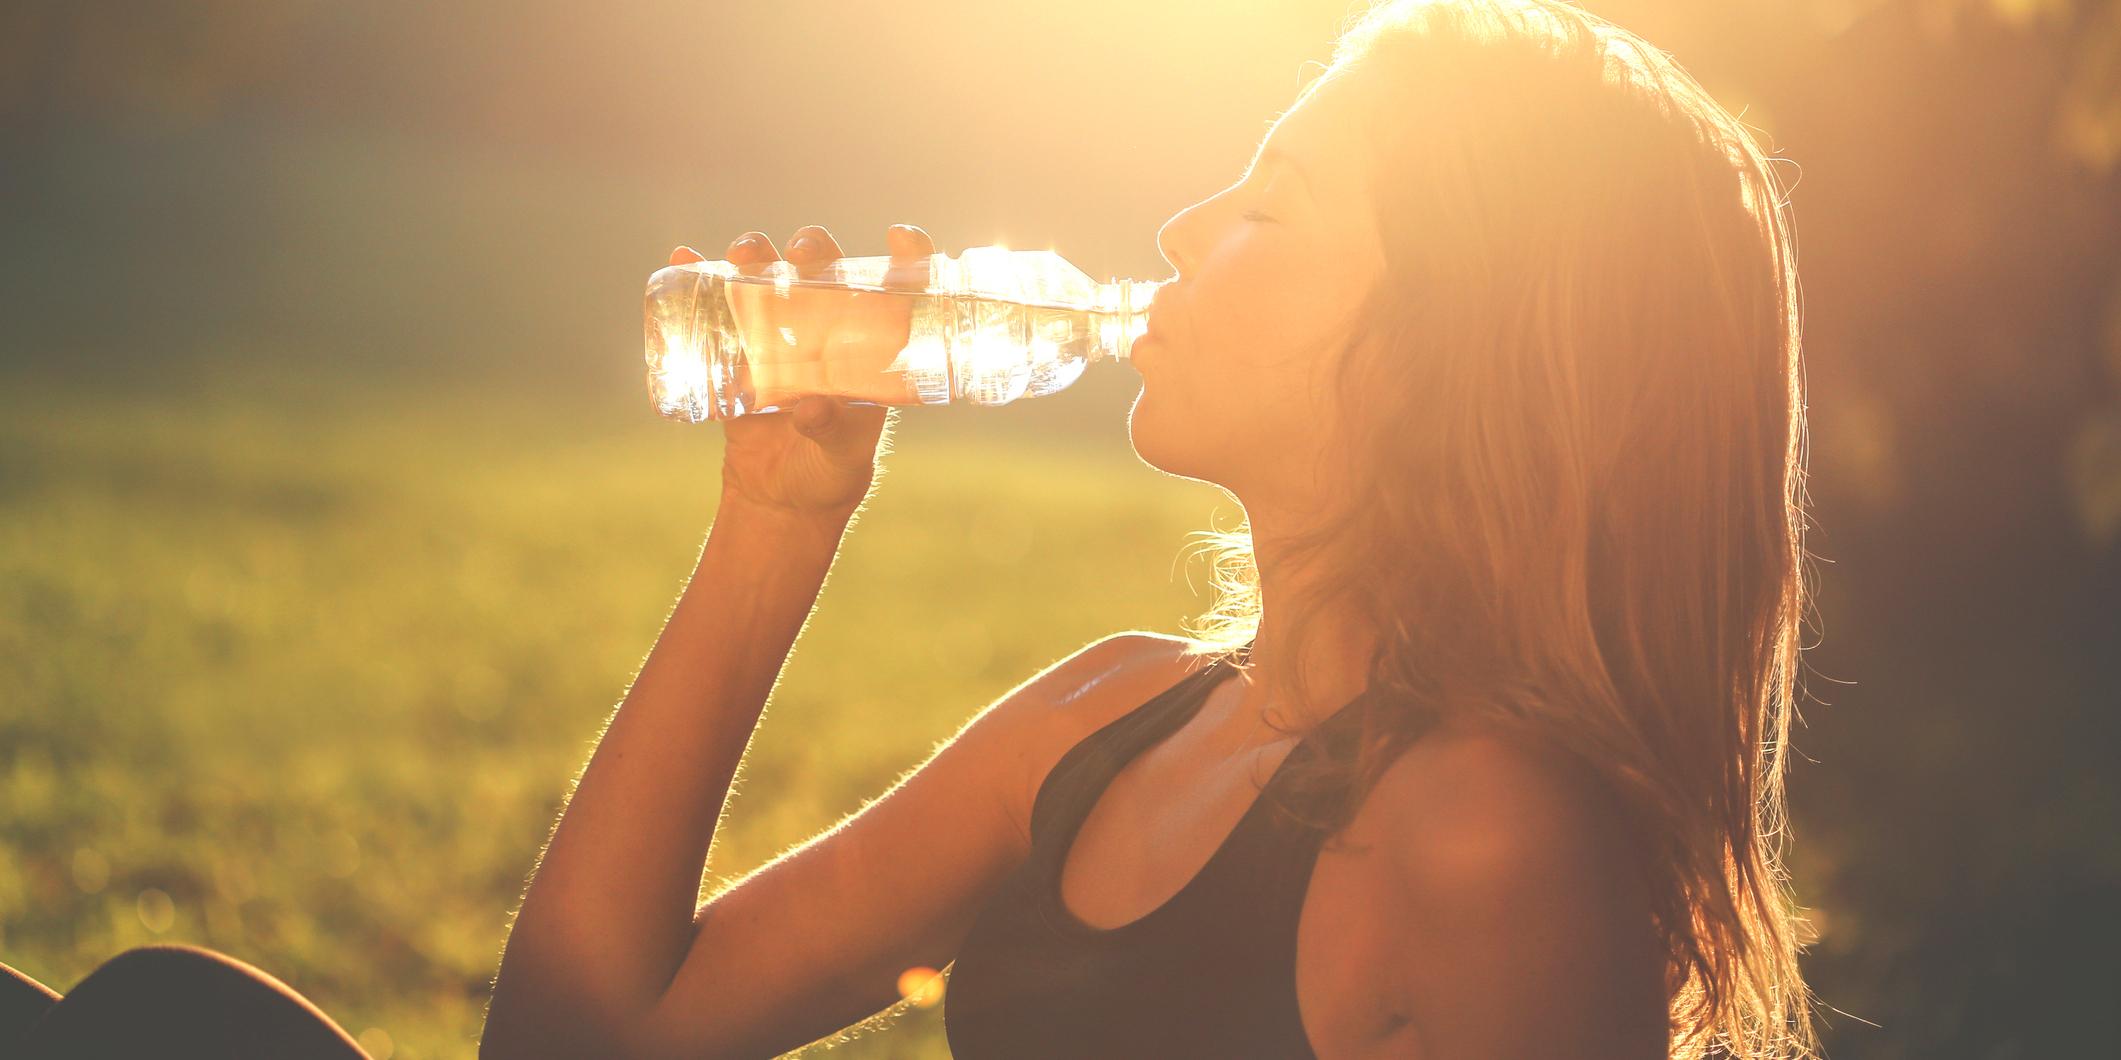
x=334 y=519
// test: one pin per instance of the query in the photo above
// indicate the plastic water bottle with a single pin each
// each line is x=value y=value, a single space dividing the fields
x=989 y=327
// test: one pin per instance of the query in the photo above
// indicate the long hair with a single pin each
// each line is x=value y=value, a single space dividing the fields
x=1573 y=409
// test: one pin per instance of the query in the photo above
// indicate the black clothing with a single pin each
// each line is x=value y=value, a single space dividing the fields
x=1210 y=973
x=166 y=1001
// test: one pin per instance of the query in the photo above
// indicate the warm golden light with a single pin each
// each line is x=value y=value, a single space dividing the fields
x=345 y=508
x=681 y=378
x=925 y=362
x=921 y=985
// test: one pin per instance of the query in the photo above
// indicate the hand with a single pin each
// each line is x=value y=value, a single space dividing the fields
x=819 y=458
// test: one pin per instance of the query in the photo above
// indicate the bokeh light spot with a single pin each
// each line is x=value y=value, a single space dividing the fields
x=375 y=1041
x=921 y=985
x=157 y=910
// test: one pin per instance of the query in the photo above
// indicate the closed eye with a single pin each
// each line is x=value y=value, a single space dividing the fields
x=1255 y=215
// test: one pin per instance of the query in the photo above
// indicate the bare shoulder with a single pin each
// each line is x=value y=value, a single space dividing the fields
x=1055 y=709
x=1113 y=675
x=1513 y=889
x=1466 y=805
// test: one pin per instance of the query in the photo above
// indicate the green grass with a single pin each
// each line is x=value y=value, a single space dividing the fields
x=298 y=668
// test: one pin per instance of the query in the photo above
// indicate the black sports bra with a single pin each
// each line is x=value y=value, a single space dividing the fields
x=1210 y=973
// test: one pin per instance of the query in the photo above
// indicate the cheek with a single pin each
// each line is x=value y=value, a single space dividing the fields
x=1272 y=319
x=1263 y=362
x=1245 y=384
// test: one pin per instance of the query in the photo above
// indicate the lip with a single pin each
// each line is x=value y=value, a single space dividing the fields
x=1161 y=306
x=1164 y=304
x=1141 y=342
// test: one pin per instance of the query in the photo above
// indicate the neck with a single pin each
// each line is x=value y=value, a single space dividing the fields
x=1334 y=658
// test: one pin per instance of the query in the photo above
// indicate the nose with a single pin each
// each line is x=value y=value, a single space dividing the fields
x=1173 y=240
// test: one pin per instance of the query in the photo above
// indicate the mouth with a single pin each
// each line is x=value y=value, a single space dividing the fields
x=1155 y=310
x=1141 y=342
x=1162 y=306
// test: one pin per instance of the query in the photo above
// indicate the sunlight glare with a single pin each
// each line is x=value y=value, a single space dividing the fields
x=921 y=985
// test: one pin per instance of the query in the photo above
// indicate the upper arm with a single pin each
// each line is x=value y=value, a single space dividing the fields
x=1523 y=925
x=816 y=940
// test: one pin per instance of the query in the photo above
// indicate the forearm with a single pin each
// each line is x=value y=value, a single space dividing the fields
x=608 y=915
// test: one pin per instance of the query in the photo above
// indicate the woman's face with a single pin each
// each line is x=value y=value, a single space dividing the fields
x=1237 y=357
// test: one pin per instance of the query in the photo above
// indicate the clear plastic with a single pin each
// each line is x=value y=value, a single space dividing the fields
x=988 y=327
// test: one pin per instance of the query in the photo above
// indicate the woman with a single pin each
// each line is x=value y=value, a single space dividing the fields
x=1480 y=752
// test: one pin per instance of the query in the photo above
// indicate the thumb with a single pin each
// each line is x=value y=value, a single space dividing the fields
x=815 y=416
x=849 y=436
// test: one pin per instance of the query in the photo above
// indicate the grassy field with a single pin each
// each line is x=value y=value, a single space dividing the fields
x=297 y=668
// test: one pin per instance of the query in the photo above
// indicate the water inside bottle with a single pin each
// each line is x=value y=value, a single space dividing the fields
x=731 y=346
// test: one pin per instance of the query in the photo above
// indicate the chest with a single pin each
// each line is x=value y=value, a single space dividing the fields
x=1158 y=828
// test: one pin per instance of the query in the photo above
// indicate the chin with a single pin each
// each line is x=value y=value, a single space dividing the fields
x=1174 y=448
x=1144 y=433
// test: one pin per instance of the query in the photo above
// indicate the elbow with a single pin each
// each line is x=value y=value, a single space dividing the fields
x=563 y=1006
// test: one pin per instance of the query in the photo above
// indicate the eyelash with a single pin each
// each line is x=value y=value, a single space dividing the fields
x=1255 y=215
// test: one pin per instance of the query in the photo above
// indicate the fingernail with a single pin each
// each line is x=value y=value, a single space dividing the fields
x=804 y=244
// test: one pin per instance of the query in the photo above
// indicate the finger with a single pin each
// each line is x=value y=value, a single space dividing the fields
x=912 y=257
x=752 y=252
x=811 y=249
x=684 y=255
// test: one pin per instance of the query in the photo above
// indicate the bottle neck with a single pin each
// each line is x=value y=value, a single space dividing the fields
x=1123 y=314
